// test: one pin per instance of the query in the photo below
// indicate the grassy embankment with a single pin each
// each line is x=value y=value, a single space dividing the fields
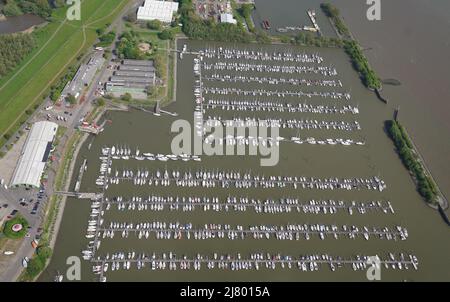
x=66 y=40
x=59 y=44
x=425 y=184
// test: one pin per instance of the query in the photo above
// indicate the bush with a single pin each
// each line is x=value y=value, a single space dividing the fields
x=107 y=39
x=7 y=136
x=35 y=266
x=44 y=252
x=154 y=24
x=11 y=9
x=7 y=230
x=126 y=97
x=71 y=99
x=100 y=102
x=166 y=35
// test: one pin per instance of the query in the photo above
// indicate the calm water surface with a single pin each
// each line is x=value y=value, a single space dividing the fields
x=19 y=23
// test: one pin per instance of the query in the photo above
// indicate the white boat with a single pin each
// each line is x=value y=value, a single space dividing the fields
x=8 y=253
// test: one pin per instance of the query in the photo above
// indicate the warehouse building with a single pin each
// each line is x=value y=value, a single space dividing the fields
x=227 y=18
x=131 y=80
x=157 y=10
x=133 y=77
x=137 y=68
x=34 y=156
x=132 y=73
x=83 y=77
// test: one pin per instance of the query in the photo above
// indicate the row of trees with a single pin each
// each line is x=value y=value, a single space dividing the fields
x=359 y=61
x=36 y=7
x=425 y=185
x=310 y=39
x=13 y=48
x=37 y=263
x=246 y=10
x=361 y=64
x=55 y=90
x=106 y=39
x=333 y=13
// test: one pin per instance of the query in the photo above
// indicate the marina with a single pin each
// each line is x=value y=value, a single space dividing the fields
x=324 y=209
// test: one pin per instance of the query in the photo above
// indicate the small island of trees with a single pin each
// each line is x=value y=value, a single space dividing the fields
x=425 y=185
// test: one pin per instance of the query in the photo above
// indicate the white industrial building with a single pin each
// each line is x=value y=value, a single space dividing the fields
x=227 y=18
x=34 y=155
x=157 y=10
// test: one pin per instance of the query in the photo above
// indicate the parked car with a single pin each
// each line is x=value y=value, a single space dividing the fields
x=12 y=214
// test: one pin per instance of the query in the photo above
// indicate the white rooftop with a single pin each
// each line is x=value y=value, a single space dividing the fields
x=227 y=18
x=34 y=154
x=157 y=10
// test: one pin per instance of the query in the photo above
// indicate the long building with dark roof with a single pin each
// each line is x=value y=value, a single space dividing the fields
x=137 y=68
x=134 y=77
x=132 y=73
x=137 y=62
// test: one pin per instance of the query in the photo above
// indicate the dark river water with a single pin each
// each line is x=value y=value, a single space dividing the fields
x=19 y=23
x=428 y=235
x=410 y=43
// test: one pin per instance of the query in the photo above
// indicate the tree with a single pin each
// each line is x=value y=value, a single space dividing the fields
x=13 y=48
x=126 y=97
x=35 y=266
x=166 y=34
x=71 y=99
x=131 y=17
x=101 y=102
x=44 y=252
x=11 y=9
x=263 y=37
x=100 y=31
x=154 y=24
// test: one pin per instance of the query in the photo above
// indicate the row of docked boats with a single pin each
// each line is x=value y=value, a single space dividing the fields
x=328 y=71
x=269 y=142
x=276 y=106
x=254 y=55
x=254 y=261
x=242 y=204
x=292 y=123
x=238 y=179
x=272 y=81
x=125 y=153
x=177 y=230
x=279 y=93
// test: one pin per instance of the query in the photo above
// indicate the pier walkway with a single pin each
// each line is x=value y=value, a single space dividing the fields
x=91 y=196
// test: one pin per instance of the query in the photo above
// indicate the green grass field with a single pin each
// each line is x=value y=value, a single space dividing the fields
x=60 y=43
